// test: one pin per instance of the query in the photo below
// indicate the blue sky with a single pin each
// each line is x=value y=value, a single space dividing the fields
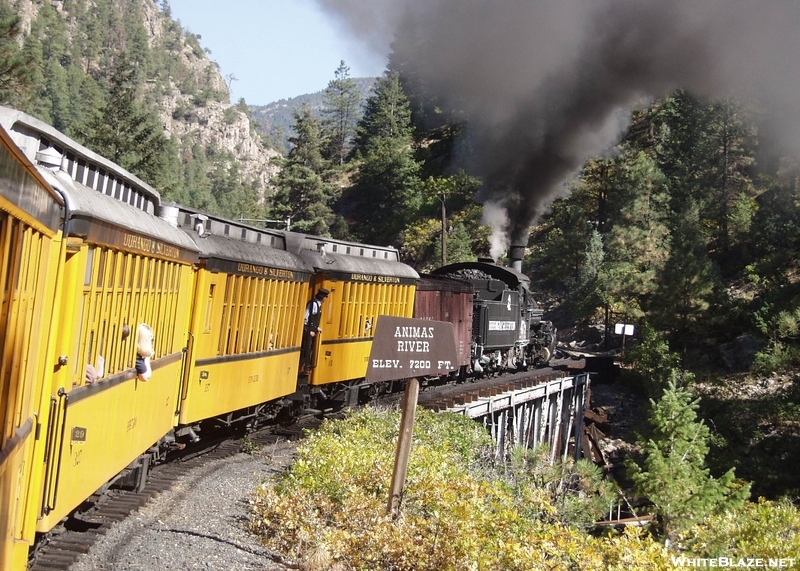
x=276 y=49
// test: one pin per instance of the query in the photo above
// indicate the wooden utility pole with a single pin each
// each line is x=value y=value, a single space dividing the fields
x=444 y=229
x=403 y=446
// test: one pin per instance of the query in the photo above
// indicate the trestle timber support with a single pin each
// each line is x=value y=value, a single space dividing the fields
x=550 y=412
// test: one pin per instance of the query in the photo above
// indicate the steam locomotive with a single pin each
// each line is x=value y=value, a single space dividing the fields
x=90 y=253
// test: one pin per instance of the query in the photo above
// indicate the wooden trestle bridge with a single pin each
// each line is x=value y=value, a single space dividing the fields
x=525 y=409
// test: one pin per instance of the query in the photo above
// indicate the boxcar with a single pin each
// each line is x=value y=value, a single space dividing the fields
x=445 y=299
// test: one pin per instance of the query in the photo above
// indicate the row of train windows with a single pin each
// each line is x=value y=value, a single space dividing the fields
x=116 y=269
x=348 y=250
x=100 y=180
x=258 y=314
x=362 y=303
x=121 y=289
x=19 y=245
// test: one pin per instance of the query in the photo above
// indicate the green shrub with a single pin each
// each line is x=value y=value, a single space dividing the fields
x=673 y=472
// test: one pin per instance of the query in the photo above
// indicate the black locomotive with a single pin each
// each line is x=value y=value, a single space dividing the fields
x=508 y=331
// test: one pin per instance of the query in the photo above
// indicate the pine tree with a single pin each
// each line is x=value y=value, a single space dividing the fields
x=16 y=67
x=126 y=133
x=385 y=195
x=728 y=146
x=342 y=103
x=673 y=473
x=304 y=191
x=685 y=283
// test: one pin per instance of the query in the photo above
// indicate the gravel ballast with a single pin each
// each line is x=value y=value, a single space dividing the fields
x=200 y=523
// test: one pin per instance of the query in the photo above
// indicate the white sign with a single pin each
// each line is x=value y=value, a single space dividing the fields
x=502 y=325
x=623 y=329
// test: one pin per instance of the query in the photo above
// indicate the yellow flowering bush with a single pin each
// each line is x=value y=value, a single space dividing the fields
x=328 y=511
x=763 y=529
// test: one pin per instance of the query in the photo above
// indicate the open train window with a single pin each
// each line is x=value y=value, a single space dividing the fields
x=209 y=305
x=101 y=269
x=87 y=278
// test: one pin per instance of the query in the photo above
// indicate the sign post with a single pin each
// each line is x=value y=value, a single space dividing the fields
x=405 y=348
x=624 y=329
x=403 y=449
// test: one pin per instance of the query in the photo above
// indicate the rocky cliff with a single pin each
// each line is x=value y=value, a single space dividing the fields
x=210 y=121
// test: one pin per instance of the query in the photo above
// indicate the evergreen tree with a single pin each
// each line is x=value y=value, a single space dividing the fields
x=729 y=147
x=775 y=240
x=50 y=46
x=126 y=133
x=236 y=200
x=586 y=294
x=16 y=66
x=196 y=184
x=673 y=473
x=686 y=282
x=636 y=241
x=342 y=103
x=385 y=195
x=304 y=191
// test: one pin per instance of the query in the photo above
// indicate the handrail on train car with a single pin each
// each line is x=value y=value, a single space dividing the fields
x=46 y=507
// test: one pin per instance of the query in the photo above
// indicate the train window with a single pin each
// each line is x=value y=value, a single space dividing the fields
x=87 y=278
x=272 y=240
x=244 y=233
x=386 y=255
x=209 y=305
x=101 y=270
x=374 y=253
x=334 y=247
x=68 y=164
x=123 y=266
x=361 y=252
x=348 y=250
x=91 y=177
x=258 y=239
x=227 y=229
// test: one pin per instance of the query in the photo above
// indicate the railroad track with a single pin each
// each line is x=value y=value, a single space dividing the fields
x=74 y=537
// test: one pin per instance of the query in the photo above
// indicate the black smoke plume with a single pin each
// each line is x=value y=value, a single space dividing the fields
x=548 y=84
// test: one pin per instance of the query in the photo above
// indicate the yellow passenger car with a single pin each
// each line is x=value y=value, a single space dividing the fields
x=30 y=252
x=247 y=321
x=123 y=266
x=365 y=281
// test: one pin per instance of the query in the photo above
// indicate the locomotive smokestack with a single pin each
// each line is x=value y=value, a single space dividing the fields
x=515 y=255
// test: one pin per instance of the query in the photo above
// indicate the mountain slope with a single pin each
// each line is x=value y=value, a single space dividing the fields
x=275 y=120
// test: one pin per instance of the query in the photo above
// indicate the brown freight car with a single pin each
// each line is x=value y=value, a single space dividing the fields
x=445 y=299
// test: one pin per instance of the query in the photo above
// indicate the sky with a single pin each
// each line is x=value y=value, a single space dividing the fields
x=276 y=49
